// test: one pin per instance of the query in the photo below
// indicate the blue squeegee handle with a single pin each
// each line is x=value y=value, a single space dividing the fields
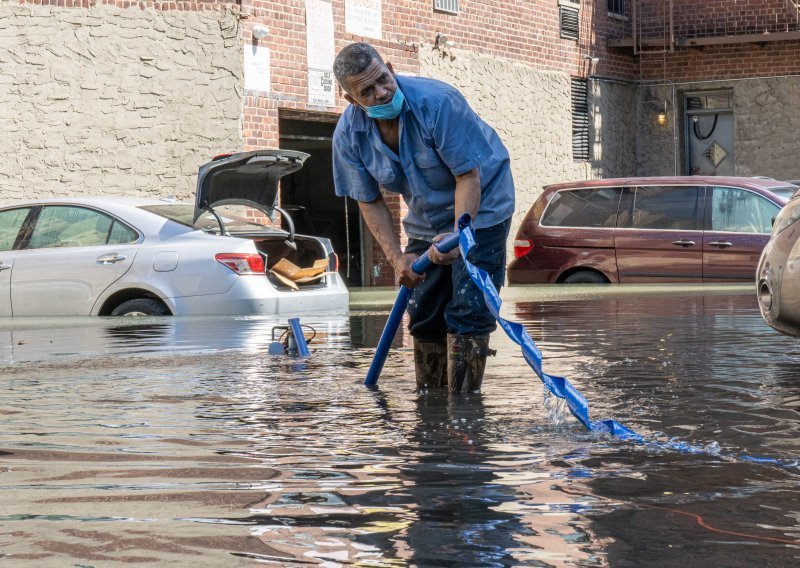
x=396 y=316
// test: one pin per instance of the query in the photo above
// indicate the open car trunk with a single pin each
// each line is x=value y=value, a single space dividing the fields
x=250 y=180
x=308 y=251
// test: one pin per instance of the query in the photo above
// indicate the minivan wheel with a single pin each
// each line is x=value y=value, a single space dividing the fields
x=141 y=307
x=585 y=277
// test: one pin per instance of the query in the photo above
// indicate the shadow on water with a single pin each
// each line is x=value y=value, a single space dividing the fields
x=167 y=440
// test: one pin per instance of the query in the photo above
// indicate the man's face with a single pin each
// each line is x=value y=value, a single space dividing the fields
x=374 y=86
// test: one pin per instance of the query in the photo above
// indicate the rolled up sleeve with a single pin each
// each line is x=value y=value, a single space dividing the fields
x=350 y=176
x=458 y=135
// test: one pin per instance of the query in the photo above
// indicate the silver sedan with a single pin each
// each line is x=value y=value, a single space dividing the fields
x=113 y=256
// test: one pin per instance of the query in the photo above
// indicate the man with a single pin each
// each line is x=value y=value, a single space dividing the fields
x=418 y=137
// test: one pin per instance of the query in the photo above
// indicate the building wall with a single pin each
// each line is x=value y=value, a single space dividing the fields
x=118 y=101
x=764 y=76
x=129 y=98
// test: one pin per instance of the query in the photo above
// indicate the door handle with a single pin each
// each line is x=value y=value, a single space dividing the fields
x=683 y=243
x=720 y=244
x=4 y=266
x=110 y=258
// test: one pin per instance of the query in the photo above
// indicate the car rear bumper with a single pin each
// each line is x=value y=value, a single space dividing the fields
x=253 y=295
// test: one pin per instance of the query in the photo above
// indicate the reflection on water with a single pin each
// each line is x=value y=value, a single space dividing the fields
x=180 y=440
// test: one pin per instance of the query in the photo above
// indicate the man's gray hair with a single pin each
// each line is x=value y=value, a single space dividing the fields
x=354 y=59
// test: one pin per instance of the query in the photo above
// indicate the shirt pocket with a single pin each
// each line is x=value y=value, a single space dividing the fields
x=435 y=174
x=383 y=175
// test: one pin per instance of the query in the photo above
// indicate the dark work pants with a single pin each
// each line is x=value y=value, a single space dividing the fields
x=448 y=301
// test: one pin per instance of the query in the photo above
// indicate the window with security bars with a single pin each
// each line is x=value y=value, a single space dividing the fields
x=580 y=119
x=616 y=7
x=569 y=22
x=449 y=6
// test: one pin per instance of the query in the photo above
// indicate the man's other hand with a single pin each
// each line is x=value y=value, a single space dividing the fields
x=438 y=257
x=405 y=274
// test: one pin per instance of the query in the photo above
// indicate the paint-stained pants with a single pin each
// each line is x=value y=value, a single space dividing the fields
x=448 y=301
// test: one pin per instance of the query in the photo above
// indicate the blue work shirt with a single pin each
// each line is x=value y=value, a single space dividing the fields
x=440 y=137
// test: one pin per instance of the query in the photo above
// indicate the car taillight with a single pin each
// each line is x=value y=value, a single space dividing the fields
x=242 y=263
x=335 y=261
x=522 y=247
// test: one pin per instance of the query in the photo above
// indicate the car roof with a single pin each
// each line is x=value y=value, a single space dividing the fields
x=749 y=182
x=126 y=208
x=97 y=201
x=743 y=182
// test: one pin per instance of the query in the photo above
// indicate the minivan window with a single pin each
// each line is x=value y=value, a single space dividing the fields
x=672 y=208
x=10 y=223
x=583 y=208
x=739 y=211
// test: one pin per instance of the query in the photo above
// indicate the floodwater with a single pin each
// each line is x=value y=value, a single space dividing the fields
x=180 y=441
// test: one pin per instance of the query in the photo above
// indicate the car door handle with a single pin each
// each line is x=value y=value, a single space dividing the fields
x=110 y=258
x=4 y=266
x=720 y=244
x=683 y=243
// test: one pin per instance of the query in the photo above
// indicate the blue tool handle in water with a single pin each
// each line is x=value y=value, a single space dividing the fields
x=396 y=316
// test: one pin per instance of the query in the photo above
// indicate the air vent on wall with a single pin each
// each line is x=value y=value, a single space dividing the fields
x=449 y=6
x=569 y=22
x=580 y=119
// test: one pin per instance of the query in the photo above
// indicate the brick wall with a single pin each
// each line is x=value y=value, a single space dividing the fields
x=718 y=19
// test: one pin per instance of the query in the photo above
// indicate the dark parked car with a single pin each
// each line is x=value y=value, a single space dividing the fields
x=659 y=229
x=779 y=272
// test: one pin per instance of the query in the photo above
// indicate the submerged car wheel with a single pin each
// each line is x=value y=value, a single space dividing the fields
x=141 y=307
x=585 y=277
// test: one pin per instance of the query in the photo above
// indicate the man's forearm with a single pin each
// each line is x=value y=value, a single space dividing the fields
x=379 y=221
x=468 y=195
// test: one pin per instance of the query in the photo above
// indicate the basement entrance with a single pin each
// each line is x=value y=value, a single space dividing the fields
x=309 y=197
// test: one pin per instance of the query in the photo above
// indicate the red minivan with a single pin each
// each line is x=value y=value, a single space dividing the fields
x=658 y=229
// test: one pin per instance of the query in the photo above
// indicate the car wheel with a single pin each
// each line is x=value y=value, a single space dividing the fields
x=141 y=307
x=585 y=277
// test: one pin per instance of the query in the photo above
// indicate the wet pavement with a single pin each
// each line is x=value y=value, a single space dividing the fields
x=181 y=441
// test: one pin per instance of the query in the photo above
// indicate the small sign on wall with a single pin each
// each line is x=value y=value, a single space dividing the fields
x=320 y=52
x=256 y=68
x=363 y=18
x=320 y=88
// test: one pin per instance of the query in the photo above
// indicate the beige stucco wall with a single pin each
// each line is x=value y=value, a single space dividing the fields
x=111 y=101
x=531 y=111
x=613 y=133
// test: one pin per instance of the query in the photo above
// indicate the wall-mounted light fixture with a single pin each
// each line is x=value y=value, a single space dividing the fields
x=442 y=41
x=662 y=116
x=260 y=32
x=591 y=59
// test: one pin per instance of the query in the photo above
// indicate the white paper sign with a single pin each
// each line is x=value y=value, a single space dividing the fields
x=256 y=68
x=321 y=88
x=363 y=18
x=319 y=34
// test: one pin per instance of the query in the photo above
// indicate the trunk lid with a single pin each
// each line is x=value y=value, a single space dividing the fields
x=245 y=178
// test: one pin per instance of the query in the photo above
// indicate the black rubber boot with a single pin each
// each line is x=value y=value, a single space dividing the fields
x=430 y=364
x=466 y=361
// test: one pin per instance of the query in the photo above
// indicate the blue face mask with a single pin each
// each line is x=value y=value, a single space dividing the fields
x=388 y=111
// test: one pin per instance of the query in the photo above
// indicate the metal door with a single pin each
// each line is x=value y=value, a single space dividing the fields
x=709 y=134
